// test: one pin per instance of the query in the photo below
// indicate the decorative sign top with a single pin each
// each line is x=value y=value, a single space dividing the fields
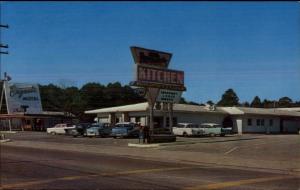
x=150 y=57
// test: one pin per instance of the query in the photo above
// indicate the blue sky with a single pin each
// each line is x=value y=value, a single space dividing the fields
x=252 y=47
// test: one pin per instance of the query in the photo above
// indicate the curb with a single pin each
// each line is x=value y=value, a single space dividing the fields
x=8 y=132
x=143 y=145
x=4 y=141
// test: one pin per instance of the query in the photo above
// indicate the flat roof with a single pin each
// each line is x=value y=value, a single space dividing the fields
x=199 y=109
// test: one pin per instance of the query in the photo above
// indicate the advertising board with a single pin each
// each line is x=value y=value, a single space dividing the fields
x=169 y=96
x=150 y=57
x=149 y=75
x=21 y=97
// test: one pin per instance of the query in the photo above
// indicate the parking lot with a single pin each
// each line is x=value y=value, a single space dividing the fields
x=247 y=146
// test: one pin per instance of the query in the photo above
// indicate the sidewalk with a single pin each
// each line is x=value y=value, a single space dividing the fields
x=213 y=160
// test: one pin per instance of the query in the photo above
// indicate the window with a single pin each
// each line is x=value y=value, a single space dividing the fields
x=258 y=122
x=262 y=122
x=249 y=122
x=271 y=122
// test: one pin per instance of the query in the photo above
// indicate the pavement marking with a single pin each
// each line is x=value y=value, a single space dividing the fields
x=109 y=174
x=215 y=186
x=231 y=150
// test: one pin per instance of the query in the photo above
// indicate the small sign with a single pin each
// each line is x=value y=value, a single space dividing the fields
x=150 y=57
x=169 y=96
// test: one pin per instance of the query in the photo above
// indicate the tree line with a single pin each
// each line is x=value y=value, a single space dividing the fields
x=230 y=98
x=95 y=96
x=90 y=96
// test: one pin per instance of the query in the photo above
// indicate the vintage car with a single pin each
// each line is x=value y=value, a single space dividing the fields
x=99 y=130
x=79 y=130
x=211 y=129
x=60 y=128
x=187 y=129
x=125 y=129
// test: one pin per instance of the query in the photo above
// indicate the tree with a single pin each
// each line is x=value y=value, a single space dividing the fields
x=246 y=104
x=256 y=103
x=229 y=98
x=209 y=102
x=285 y=102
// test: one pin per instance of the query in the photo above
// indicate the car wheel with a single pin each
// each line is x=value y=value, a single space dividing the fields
x=185 y=134
x=53 y=133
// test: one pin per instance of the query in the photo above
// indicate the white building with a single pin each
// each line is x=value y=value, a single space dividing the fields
x=242 y=119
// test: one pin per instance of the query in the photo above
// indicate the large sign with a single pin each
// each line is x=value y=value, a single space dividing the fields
x=169 y=96
x=22 y=98
x=152 y=70
x=150 y=57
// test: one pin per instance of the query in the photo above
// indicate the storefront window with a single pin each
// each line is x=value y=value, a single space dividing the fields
x=249 y=122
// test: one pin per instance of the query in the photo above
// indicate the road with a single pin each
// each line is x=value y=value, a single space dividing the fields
x=30 y=168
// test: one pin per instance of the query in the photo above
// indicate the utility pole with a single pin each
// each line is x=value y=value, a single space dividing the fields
x=2 y=46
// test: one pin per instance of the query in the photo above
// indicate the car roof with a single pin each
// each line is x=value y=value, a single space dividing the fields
x=125 y=123
x=210 y=124
x=188 y=123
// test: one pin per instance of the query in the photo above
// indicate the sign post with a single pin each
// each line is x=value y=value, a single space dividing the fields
x=161 y=84
x=151 y=96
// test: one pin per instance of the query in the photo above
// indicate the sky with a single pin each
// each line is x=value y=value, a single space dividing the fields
x=251 y=47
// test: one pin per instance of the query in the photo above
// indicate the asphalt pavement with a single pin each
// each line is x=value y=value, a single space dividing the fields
x=29 y=168
x=35 y=160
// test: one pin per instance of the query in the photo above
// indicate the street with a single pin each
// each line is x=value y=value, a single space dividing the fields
x=35 y=160
x=28 y=168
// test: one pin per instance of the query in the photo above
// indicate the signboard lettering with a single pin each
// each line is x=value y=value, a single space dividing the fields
x=163 y=76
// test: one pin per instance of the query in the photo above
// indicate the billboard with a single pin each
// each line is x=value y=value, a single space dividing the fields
x=160 y=78
x=150 y=57
x=169 y=96
x=21 y=97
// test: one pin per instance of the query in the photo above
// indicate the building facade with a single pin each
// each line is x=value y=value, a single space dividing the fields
x=241 y=119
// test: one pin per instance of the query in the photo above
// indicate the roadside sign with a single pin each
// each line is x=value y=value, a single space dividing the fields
x=21 y=97
x=169 y=96
x=150 y=57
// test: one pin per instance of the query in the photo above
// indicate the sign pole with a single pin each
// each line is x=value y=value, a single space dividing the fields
x=170 y=116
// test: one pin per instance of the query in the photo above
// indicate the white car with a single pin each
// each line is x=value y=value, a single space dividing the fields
x=60 y=128
x=187 y=129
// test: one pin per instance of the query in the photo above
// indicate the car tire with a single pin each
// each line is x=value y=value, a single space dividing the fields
x=53 y=133
x=184 y=134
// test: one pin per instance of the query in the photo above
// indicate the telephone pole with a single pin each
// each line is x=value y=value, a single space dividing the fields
x=1 y=47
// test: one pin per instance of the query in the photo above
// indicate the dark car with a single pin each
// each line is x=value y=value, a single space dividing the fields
x=99 y=129
x=79 y=130
x=125 y=129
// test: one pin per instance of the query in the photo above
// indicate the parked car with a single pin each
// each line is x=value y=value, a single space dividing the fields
x=187 y=129
x=211 y=129
x=99 y=129
x=227 y=130
x=125 y=129
x=59 y=128
x=79 y=130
